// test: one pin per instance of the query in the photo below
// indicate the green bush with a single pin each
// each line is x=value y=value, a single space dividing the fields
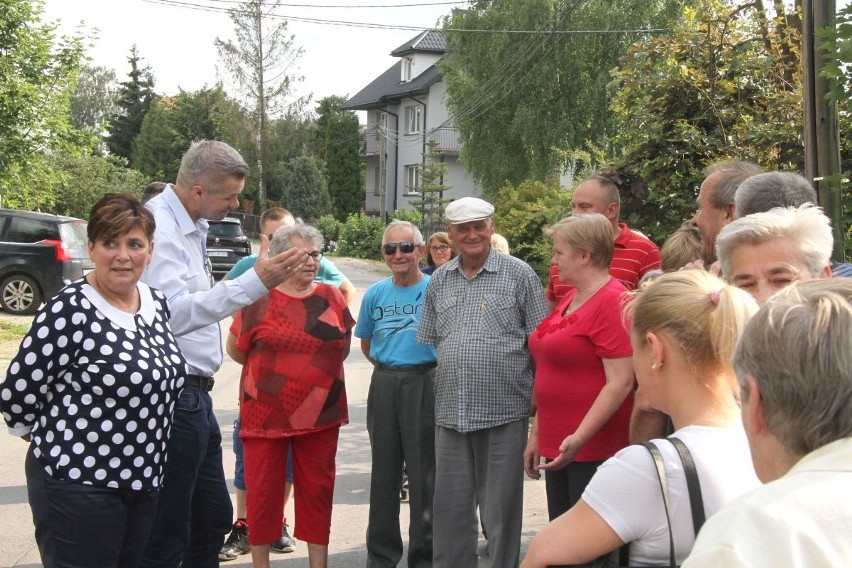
x=412 y=216
x=361 y=236
x=523 y=212
x=330 y=229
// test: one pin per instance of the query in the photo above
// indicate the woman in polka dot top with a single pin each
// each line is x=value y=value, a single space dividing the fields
x=93 y=389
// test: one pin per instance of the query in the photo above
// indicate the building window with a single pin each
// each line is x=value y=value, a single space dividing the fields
x=412 y=179
x=406 y=69
x=376 y=182
x=412 y=119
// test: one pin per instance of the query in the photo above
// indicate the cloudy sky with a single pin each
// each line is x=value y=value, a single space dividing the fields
x=175 y=37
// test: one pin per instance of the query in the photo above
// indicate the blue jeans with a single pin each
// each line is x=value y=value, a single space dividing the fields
x=82 y=525
x=194 y=512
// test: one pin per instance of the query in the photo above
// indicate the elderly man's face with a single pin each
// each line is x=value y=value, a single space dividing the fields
x=709 y=219
x=472 y=239
x=403 y=264
x=217 y=199
x=761 y=270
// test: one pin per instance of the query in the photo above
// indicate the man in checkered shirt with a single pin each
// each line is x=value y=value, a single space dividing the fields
x=479 y=310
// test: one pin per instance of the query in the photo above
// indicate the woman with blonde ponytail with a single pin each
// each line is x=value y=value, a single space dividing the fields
x=684 y=328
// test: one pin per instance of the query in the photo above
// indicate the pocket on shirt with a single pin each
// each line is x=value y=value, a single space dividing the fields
x=498 y=313
x=445 y=316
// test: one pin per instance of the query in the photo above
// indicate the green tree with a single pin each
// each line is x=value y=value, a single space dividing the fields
x=94 y=101
x=838 y=45
x=326 y=107
x=304 y=188
x=83 y=179
x=135 y=98
x=38 y=72
x=725 y=85
x=173 y=123
x=431 y=204
x=261 y=61
x=519 y=97
x=158 y=148
x=343 y=162
x=522 y=213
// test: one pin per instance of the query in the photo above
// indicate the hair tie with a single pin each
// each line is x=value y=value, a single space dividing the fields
x=714 y=296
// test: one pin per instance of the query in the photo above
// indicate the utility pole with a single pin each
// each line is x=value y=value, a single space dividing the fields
x=383 y=166
x=821 y=134
x=260 y=139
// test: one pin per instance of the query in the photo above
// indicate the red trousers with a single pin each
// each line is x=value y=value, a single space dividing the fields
x=313 y=485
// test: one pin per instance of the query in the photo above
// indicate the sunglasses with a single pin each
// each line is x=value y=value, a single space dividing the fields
x=406 y=248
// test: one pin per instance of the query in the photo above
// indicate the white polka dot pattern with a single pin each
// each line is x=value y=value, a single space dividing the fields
x=98 y=396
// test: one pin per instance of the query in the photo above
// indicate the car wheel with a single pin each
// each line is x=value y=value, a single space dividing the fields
x=20 y=295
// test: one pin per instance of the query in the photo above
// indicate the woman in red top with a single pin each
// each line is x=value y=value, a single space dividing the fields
x=292 y=344
x=584 y=372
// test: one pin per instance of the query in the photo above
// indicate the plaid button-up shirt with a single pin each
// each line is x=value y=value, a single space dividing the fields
x=480 y=327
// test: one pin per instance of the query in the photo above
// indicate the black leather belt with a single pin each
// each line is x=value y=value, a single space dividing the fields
x=200 y=381
x=409 y=369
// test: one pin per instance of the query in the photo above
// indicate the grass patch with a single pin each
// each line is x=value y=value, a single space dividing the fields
x=12 y=331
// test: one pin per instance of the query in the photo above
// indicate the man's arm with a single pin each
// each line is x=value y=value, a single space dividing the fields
x=348 y=290
x=192 y=304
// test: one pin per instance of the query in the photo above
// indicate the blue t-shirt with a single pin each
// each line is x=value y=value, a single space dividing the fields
x=389 y=318
x=327 y=273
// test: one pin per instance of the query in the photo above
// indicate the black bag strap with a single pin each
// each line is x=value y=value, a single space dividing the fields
x=662 y=478
x=696 y=501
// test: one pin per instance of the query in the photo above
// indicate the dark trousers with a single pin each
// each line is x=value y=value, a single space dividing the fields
x=194 y=513
x=401 y=425
x=565 y=486
x=479 y=468
x=80 y=526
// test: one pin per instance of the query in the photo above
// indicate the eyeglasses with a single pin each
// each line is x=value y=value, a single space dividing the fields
x=406 y=248
x=316 y=255
x=439 y=248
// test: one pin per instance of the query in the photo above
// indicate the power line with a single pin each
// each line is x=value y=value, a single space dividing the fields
x=348 y=6
x=374 y=25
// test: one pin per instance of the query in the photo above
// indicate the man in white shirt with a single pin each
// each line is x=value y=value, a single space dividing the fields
x=194 y=510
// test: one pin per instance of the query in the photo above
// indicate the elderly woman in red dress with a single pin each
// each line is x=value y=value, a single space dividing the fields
x=584 y=371
x=292 y=344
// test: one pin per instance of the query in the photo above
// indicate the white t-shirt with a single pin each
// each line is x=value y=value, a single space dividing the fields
x=625 y=491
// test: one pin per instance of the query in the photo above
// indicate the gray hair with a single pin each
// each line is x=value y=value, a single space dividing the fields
x=732 y=174
x=210 y=161
x=415 y=232
x=797 y=350
x=281 y=239
x=766 y=191
x=805 y=228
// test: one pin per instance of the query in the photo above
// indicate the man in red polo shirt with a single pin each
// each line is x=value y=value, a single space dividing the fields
x=634 y=255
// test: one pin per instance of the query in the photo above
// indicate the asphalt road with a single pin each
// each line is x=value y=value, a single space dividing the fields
x=351 y=495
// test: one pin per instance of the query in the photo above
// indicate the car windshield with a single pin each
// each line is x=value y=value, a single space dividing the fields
x=228 y=230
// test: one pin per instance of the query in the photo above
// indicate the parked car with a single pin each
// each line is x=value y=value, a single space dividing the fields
x=39 y=255
x=226 y=244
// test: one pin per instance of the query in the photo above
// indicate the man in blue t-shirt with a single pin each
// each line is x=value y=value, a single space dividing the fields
x=237 y=542
x=400 y=403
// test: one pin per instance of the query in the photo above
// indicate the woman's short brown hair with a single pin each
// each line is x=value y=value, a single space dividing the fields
x=116 y=214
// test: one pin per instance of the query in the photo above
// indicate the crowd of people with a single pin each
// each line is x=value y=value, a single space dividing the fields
x=689 y=404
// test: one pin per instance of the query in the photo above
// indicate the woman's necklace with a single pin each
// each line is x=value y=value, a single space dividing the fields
x=578 y=301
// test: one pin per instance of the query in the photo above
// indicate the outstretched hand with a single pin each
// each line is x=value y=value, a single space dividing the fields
x=568 y=449
x=273 y=271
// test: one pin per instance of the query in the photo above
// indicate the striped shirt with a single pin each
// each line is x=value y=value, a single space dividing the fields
x=634 y=255
x=479 y=327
